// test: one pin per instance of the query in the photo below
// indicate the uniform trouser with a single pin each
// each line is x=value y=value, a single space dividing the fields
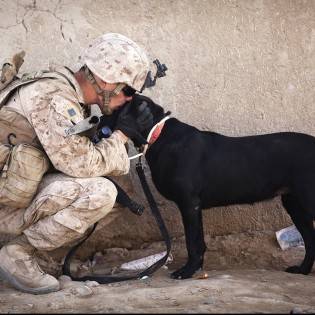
x=64 y=208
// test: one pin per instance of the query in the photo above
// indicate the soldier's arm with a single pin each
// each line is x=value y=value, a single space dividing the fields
x=74 y=155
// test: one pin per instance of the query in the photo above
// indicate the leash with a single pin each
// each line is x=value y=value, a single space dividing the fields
x=137 y=209
x=157 y=216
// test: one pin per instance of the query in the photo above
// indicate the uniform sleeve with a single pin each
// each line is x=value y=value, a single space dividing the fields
x=73 y=155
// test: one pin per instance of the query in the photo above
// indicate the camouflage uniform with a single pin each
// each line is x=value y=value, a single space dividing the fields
x=68 y=203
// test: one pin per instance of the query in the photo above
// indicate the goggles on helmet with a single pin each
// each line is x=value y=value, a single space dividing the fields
x=128 y=90
x=122 y=87
x=160 y=72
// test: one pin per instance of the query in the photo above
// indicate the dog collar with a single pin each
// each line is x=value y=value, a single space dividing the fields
x=152 y=136
x=154 y=133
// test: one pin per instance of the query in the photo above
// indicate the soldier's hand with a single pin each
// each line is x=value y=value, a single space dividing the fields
x=144 y=116
x=128 y=122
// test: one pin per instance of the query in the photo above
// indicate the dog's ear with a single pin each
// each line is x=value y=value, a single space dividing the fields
x=158 y=112
x=167 y=113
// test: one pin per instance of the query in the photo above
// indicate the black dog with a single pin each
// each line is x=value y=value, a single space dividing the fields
x=198 y=170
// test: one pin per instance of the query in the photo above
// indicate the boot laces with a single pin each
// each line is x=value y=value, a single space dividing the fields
x=31 y=263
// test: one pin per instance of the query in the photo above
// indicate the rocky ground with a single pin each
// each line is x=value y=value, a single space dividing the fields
x=245 y=275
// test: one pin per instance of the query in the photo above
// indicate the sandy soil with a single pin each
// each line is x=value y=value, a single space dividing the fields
x=229 y=291
x=245 y=276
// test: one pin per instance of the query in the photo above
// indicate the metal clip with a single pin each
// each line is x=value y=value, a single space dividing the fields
x=9 y=139
x=87 y=123
x=32 y=76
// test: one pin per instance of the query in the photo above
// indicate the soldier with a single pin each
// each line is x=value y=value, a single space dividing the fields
x=69 y=201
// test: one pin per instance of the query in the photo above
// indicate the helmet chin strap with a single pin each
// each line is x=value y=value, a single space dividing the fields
x=105 y=95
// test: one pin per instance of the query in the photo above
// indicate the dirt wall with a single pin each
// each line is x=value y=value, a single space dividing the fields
x=235 y=67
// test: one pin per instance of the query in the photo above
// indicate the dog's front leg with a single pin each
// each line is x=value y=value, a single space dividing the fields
x=192 y=219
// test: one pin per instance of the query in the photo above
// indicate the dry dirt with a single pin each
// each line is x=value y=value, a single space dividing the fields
x=245 y=276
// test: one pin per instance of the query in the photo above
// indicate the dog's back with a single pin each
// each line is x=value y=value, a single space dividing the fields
x=227 y=170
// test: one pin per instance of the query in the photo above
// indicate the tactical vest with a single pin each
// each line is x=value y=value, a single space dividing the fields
x=22 y=159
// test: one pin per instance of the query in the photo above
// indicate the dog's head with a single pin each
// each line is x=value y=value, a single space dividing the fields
x=157 y=111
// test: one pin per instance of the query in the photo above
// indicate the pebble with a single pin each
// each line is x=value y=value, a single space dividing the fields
x=65 y=282
x=64 y=278
x=209 y=301
x=91 y=284
x=201 y=275
x=54 y=305
x=296 y=310
x=144 y=278
x=82 y=291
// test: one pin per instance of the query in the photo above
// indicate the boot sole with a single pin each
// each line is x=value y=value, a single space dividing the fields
x=16 y=284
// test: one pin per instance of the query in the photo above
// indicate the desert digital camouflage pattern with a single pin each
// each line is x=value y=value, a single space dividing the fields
x=66 y=204
x=115 y=58
x=65 y=208
x=51 y=107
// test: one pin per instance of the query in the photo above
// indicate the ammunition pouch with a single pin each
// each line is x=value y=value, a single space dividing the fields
x=23 y=168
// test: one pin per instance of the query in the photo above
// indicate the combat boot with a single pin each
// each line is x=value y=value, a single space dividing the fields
x=19 y=267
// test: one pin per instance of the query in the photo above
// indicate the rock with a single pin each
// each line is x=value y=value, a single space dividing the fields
x=65 y=282
x=296 y=310
x=209 y=301
x=54 y=305
x=82 y=291
x=98 y=259
x=64 y=278
x=91 y=284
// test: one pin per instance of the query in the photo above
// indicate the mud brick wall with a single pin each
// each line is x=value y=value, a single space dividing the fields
x=235 y=67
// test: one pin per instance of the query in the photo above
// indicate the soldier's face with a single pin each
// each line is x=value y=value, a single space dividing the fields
x=116 y=101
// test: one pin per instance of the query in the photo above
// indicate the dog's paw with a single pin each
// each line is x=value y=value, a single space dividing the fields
x=296 y=269
x=183 y=273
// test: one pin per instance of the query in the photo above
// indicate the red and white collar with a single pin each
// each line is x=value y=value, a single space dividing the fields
x=152 y=136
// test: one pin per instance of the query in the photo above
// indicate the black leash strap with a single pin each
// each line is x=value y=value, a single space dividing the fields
x=137 y=210
x=157 y=216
